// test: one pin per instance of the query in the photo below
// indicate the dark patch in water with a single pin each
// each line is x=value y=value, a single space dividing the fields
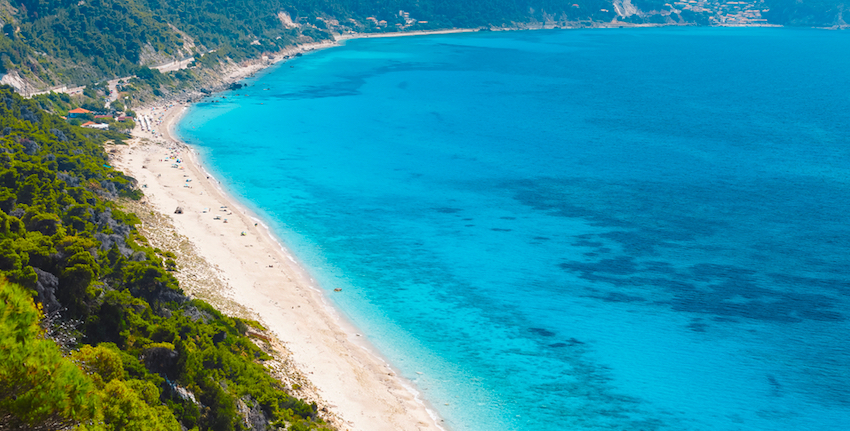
x=496 y=229
x=447 y=210
x=711 y=271
x=725 y=291
x=839 y=286
x=658 y=267
x=468 y=225
x=622 y=265
x=318 y=92
x=775 y=387
x=697 y=325
x=350 y=86
x=571 y=342
x=618 y=297
x=403 y=85
x=586 y=243
x=635 y=243
x=508 y=218
x=542 y=332
x=541 y=238
x=647 y=219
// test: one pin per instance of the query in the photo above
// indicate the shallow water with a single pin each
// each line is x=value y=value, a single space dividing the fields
x=596 y=229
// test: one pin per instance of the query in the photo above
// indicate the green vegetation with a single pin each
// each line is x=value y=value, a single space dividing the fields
x=472 y=14
x=101 y=35
x=54 y=42
x=84 y=42
x=124 y=348
x=230 y=27
x=39 y=387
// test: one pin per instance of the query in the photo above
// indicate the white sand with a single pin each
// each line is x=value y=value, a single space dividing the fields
x=355 y=383
x=402 y=33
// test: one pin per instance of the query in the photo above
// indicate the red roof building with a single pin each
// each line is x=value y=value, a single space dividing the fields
x=93 y=125
x=78 y=112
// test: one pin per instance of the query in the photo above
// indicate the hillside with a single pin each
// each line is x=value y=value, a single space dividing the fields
x=95 y=329
x=50 y=43
x=47 y=44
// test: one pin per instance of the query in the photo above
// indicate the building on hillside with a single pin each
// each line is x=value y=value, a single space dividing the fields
x=78 y=112
x=93 y=125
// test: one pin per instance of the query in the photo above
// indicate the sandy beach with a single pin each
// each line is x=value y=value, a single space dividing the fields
x=246 y=264
x=403 y=33
x=228 y=257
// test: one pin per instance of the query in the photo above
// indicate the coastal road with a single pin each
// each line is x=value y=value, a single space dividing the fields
x=112 y=85
x=175 y=65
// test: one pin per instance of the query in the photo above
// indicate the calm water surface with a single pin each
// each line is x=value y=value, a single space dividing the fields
x=554 y=230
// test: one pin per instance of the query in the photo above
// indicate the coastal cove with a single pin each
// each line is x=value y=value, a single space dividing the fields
x=570 y=229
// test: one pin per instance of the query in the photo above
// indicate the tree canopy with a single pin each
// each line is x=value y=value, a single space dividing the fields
x=99 y=311
x=81 y=42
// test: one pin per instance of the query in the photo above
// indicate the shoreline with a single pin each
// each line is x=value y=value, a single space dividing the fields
x=259 y=275
x=234 y=72
x=375 y=397
x=350 y=36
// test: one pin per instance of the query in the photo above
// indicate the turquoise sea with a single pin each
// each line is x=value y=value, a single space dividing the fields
x=622 y=229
